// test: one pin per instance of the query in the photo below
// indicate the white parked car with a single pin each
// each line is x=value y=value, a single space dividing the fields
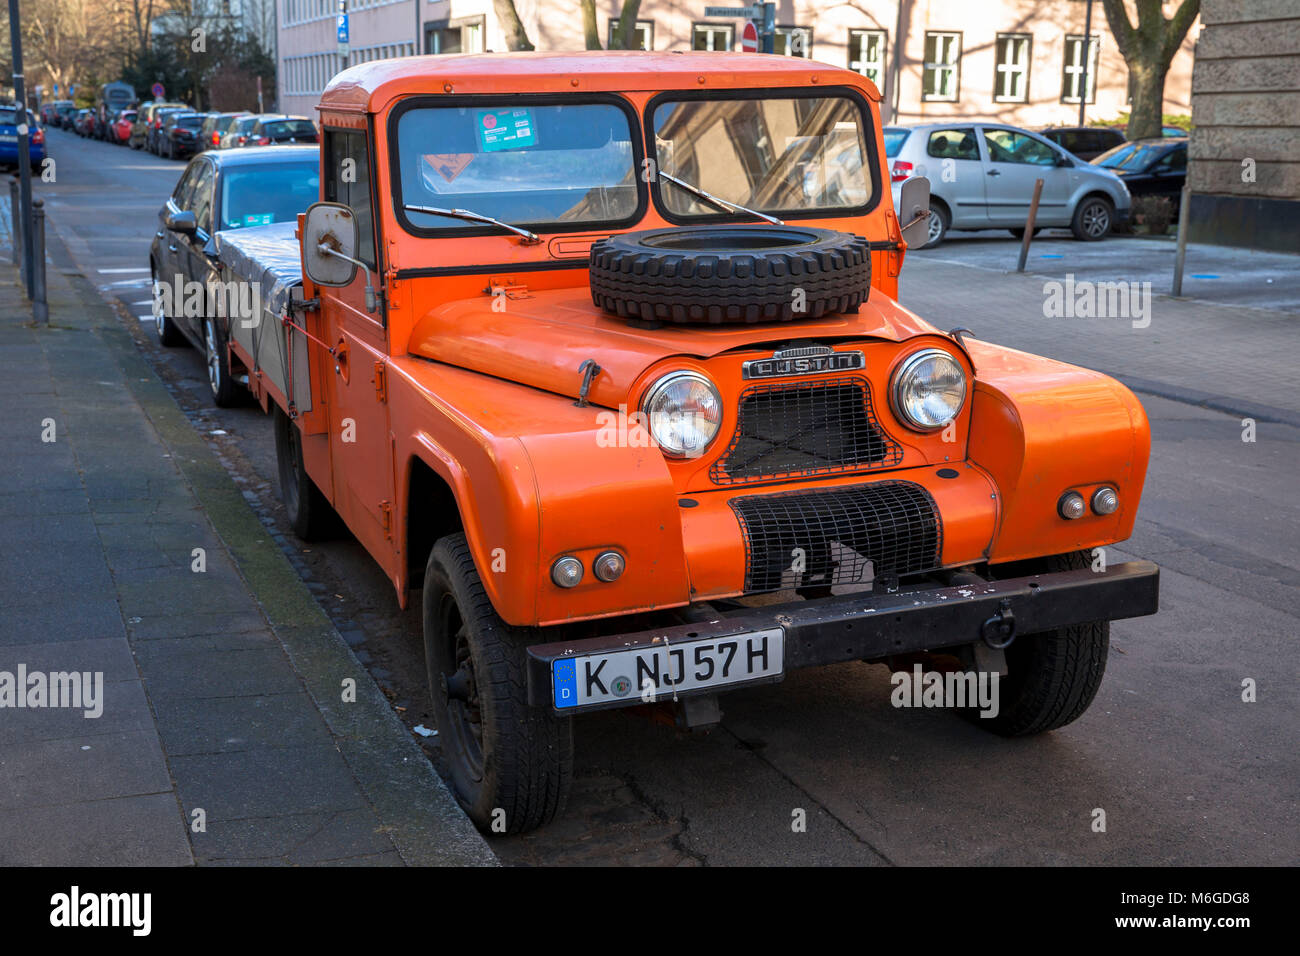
x=982 y=177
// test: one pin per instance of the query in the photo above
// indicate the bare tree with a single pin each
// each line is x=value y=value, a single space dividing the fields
x=516 y=35
x=1148 y=50
x=624 y=38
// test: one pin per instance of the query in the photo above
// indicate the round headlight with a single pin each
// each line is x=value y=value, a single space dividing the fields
x=684 y=411
x=929 y=389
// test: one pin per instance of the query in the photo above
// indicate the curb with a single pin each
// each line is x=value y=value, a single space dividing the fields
x=419 y=813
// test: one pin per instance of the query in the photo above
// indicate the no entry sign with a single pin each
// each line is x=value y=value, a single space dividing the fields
x=749 y=38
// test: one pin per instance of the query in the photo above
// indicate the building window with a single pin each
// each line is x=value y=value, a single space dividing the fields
x=462 y=35
x=941 y=81
x=643 y=36
x=867 y=54
x=712 y=36
x=1011 y=74
x=793 y=41
x=1070 y=77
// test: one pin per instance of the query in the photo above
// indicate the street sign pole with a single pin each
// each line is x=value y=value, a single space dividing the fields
x=24 y=151
x=768 y=29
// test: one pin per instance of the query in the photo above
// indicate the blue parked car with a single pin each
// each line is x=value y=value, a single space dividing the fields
x=9 y=138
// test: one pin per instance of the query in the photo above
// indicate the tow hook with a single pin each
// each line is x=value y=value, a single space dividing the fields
x=1000 y=630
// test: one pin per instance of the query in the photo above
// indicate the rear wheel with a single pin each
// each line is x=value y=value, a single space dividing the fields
x=310 y=514
x=225 y=390
x=940 y=220
x=1052 y=676
x=510 y=763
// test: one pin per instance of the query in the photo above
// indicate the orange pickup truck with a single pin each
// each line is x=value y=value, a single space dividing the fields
x=599 y=355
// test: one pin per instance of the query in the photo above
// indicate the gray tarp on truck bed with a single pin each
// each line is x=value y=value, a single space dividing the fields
x=268 y=257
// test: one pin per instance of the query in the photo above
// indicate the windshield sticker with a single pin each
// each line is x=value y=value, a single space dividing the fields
x=506 y=129
x=449 y=165
x=259 y=219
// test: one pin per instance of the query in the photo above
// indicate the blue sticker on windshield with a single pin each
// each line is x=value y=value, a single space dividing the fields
x=262 y=219
x=506 y=129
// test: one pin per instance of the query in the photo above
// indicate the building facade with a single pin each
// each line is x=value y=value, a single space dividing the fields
x=1244 y=164
x=1017 y=62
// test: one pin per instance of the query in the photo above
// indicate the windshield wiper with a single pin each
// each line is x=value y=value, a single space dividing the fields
x=717 y=201
x=529 y=238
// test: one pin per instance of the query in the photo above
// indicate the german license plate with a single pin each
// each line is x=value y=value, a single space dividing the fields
x=661 y=671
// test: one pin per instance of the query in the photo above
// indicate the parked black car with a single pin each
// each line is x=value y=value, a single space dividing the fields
x=1150 y=167
x=226 y=189
x=154 y=142
x=278 y=130
x=1086 y=142
x=180 y=135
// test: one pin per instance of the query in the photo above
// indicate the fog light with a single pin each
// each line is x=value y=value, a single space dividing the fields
x=1104 y=501
x=608 y=566
x=567 y=572
x=1071 y=505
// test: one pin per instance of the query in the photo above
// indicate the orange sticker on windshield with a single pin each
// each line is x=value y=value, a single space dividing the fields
x=449 y=165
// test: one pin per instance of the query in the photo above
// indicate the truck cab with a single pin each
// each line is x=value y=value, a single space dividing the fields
x=600 y=357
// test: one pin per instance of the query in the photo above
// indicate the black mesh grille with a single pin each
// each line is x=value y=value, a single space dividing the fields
x=893 y=524
x=825 y=427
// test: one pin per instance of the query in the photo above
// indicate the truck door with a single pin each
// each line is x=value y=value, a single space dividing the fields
x=361 y=455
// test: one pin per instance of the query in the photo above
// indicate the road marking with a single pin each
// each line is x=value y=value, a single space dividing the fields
x=143 y=302
x=147 y=318
x=113 y=272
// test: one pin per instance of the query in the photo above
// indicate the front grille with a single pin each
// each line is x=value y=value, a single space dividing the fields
x=825 y=427
x=833 y=534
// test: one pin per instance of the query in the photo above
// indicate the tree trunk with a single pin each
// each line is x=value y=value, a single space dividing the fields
x=1148 y=88
x=625 y=37
x=589 y=28
x=516 y=35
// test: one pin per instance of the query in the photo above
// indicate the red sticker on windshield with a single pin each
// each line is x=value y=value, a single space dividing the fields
x=449 y=165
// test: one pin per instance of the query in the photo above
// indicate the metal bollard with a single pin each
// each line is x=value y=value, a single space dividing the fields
x=1029 y=225
x=40 y=308
x=15 y=229
x=1180 y=257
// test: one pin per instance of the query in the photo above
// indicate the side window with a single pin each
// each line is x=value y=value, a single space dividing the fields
x=347 y=181
x=185 y=188
x=201 y=202
x=1173 y=162
x=1006 y=146
x=953 y=144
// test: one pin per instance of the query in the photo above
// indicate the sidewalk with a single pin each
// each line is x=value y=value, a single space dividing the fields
x=225 y=735
x=1227 y=357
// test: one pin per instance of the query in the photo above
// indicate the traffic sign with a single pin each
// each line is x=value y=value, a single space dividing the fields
x=749 y=38
x=157 y=91
x=729 y=11
x=343 y=28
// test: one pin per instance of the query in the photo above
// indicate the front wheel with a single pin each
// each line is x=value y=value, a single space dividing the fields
x=510 y=763
x=1093 y=218
x=169 y=335
x=938 y=227
x=1052 y=676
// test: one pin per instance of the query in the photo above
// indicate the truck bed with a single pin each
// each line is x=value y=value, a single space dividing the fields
x=268 y=257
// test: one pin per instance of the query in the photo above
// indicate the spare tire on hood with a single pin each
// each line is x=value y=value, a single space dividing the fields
x=713 y=275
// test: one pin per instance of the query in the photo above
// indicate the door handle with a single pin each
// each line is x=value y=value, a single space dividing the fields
x=994 y=172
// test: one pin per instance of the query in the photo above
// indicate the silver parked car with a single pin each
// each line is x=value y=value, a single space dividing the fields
x=982 y=177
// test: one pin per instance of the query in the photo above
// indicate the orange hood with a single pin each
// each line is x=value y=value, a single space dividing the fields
x=541 y=339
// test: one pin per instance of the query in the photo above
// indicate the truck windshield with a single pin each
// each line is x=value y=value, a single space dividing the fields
x=781 y=155
x=539 y=165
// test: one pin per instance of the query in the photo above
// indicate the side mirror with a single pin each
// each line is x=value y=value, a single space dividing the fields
x=181 y=222
x=330 y=239
x=914 y=211
x=1063 y=160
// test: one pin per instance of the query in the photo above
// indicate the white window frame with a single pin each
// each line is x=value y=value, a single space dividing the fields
x=645 y=31
x=713 y=29
x=1015 y=68
x=858 y=48
x=784 y=39
x=1072 y=66
x=936 y=66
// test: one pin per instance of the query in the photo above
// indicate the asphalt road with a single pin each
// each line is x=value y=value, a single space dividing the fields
x=1186 y=772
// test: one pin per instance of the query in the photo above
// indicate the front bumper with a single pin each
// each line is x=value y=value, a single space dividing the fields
x=868 y=626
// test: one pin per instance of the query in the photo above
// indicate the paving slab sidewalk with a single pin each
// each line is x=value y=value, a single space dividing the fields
x=127 y=551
